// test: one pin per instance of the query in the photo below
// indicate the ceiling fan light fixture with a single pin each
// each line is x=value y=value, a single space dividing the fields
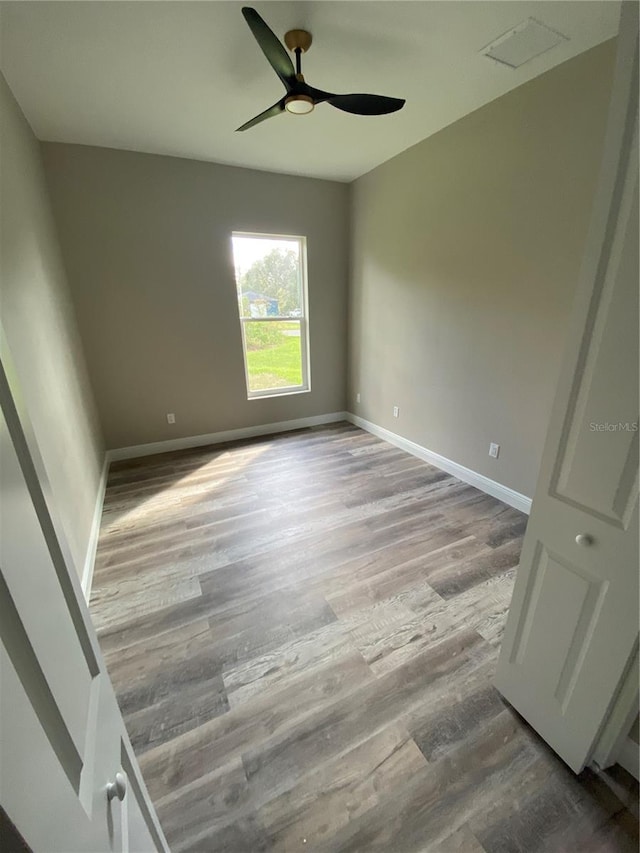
x=300 y=98
x=299 y=105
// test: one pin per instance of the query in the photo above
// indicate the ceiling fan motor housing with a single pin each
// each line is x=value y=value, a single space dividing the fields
x=298 y=39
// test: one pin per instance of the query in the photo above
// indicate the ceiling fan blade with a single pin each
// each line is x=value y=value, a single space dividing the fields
x=275 y=110
x=366 y=105
x=271 y=46
x=318 y=95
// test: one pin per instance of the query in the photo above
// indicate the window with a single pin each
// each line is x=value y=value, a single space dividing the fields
x=271 y=281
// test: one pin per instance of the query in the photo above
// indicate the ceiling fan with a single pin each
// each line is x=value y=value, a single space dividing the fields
x=300 y=98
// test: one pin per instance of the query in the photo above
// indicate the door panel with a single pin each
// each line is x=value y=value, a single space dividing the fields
x=43 y=805
x=601 y=483
x=567 y=597
x=26 y=565
x=62 y=738
x=573 y=623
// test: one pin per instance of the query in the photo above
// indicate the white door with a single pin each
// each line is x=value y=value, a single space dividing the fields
x=572 y=629
x=62 y=738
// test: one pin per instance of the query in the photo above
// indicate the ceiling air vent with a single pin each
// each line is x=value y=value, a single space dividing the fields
x=524 y=42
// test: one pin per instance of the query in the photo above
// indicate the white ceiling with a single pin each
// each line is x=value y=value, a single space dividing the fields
x=178 y=77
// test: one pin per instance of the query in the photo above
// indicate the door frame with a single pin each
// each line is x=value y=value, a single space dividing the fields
x=615 y=732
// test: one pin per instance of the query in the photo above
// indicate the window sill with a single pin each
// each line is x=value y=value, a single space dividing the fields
x=285 y=392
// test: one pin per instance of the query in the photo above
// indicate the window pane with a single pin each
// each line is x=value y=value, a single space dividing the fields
x=271 y=288
x=268 y=276
x=273 y=353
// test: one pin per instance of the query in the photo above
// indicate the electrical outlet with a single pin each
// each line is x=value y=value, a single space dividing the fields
x=396 y=411
x=171 y=418
x=494 y=450
x=358 y=397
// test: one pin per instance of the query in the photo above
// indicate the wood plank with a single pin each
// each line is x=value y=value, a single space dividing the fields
x=216 y=742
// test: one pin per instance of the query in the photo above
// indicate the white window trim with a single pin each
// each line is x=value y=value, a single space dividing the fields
x=305 y=387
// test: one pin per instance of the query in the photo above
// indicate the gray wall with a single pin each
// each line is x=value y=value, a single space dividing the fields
x=465 y=255
x=40 y=327
x=147 y=244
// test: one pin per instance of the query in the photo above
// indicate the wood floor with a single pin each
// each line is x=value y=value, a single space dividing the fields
x=302 y=632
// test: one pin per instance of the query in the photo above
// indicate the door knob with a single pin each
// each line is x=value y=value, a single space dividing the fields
x=584 y=539
x=118 y=788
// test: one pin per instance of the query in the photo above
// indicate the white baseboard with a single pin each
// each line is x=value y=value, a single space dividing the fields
x=92 y=546
x=491 y=487
x=629 y=757
x=139 y=450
